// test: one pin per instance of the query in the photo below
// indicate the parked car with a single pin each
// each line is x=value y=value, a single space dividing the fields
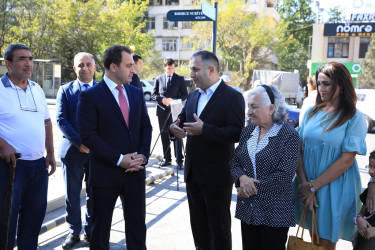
x=147 y=89
x=293 y=116
x=366 y=104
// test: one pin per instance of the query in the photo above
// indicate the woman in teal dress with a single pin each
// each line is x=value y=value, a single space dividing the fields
x=331 y=134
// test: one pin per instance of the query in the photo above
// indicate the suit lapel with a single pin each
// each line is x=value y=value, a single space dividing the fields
x=111 y=101
x=163 y=79
x=132 y=102
x=213 y=100
x=193 y=105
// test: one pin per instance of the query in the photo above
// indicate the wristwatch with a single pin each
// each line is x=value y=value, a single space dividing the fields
x=312 y=188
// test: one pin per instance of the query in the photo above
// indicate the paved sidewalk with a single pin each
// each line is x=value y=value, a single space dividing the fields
x=167 y=212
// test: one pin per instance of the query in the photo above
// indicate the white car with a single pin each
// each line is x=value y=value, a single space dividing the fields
x=147 y=89
x=366 y=104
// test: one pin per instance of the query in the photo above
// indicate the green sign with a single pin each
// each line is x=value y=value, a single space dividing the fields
x=354 y=69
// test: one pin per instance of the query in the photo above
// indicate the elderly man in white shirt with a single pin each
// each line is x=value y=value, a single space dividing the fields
x=25 y=128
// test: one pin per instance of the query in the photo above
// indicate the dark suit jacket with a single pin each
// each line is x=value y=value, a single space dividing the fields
x=136 y=82
x=177 y=90
x=66 y=109
x=104 y=131
x=208 y=155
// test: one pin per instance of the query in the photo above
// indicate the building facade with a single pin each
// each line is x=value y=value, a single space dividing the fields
x=346 y=43
x=169 y=35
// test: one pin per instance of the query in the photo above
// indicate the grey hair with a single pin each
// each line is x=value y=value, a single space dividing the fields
x=82 y=54
x=279 y=115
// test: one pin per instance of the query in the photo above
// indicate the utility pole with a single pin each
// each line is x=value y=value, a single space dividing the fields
x=214 y=27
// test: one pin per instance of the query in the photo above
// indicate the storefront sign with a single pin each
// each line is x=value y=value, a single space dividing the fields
x=354 y=68
x=362 y=17
x=349 y=29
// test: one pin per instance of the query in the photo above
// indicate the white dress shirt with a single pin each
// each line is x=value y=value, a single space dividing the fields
x=205 y=97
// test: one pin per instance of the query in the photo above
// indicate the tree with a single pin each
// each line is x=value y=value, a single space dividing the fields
x=293 y=49
x=94 y=25
x=244 y=40
x=336 y=15
x=367 y=78
x=61 y=28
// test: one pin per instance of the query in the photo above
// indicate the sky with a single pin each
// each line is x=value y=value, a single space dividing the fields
x=350 y=6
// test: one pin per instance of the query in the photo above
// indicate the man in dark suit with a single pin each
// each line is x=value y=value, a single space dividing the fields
x=212 y=120
x=74 y=155
x=137 y=68
x=114 y=124
x=169 y=86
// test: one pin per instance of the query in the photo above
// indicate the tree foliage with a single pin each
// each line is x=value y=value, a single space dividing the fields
x=367 y=78
x=244 y=41
x=336 y=15
x=293 y=50
x=61 y=28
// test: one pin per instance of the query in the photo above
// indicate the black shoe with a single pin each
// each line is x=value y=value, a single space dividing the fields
x=86 y=238
x=180 y=166
x=70 y=241
x=165 y=163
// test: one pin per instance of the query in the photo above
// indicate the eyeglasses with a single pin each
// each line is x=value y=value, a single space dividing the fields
x=35 y=109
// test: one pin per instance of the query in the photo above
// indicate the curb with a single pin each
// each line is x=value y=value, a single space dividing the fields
x=60 y=202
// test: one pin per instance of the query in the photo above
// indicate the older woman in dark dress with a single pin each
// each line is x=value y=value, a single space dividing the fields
x=263 y=166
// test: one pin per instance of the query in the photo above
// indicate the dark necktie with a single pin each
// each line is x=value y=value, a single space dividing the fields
x=123 y=104
x=86 y=85
x=169 y=82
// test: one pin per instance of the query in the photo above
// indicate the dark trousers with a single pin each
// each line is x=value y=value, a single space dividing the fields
x=263 y=237
x=210 y=217
x=29 y=202
x=166 y=141
x=75 y=167
x=104 y=199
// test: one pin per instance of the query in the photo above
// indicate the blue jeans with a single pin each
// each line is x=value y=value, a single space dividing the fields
x=29 y=202
x=75 y=166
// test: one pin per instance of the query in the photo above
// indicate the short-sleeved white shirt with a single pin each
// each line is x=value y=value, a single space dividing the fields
x=24 y=130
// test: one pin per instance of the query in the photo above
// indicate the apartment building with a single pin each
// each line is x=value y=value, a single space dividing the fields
x=169 y=35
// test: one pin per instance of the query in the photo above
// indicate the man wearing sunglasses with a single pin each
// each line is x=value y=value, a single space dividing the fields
x=25 y=128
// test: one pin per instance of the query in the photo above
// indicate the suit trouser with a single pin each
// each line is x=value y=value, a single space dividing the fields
x=75 y=166
x=29 y=202
x=133 y=194
x=263 y=237
x=166 y=141
x=210 y=217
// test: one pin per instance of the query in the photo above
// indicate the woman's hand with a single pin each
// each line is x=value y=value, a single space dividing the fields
x=247 y=187
x=363 y=225
x=370 y=232
x=307 y=196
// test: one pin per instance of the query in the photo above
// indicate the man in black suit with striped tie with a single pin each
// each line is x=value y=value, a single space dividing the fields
x=169 y=86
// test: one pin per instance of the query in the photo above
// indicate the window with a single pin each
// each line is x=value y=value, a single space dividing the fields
x=187 y=25
x=363 y=46
x=338 y=47
x=169 y=25
x=187 y=46
x=150 y=25
x=172 y=2
x=169 y=44
x=155 y=2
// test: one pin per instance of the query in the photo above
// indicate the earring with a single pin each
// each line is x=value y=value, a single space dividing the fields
x=341 y=92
